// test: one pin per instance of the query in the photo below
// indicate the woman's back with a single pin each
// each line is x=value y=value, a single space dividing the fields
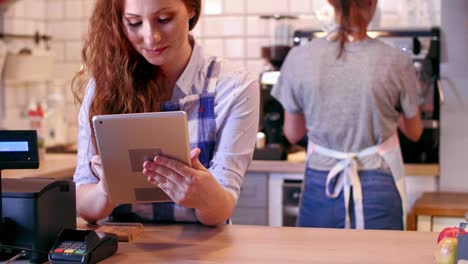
x=349 y=103
x=348 y=93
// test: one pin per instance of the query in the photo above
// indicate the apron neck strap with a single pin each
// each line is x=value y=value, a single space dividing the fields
x=212 y=74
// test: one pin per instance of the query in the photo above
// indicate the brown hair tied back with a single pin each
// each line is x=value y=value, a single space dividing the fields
x=345 y=28
x=351 y=20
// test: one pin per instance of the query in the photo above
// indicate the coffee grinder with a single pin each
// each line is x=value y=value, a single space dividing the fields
x=271 y=111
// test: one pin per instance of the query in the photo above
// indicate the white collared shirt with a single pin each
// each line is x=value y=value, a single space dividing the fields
x=236 y=112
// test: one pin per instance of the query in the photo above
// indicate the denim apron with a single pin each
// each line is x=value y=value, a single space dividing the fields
x=202 y=131
x=344 y=183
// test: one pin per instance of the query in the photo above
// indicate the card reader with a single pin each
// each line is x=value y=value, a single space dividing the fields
x=82 y=246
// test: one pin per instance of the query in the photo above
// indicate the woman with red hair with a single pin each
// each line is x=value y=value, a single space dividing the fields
x=140 y=57
x=347 y=92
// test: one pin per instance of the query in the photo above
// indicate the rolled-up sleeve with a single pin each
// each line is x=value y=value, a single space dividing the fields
x=82 y=173
x=237 y=111
x=409 y=87
x=286 y=90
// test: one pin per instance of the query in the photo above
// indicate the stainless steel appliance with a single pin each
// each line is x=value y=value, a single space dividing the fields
x=291 y=198
x=271 y=111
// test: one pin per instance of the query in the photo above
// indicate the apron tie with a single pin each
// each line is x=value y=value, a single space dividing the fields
x=347 y=167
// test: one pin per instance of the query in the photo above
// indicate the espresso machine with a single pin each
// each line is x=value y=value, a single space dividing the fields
x=426 y=150
x=424 y=48
x=271 y=111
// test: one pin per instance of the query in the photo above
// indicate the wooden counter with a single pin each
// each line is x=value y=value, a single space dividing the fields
x=249 y=244
x=299 y=167
x=442 y=204
x=57 y=166
x=62 y=166
x=438 y=204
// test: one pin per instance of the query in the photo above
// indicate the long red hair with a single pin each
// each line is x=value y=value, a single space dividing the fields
x=125 y=81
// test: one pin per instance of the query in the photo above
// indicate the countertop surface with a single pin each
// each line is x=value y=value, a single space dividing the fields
x=438 y=204
x=57 y=166
x=450 y=204
x=299 y=167
x=296 y=164
x=255 y=244
x=62 y=166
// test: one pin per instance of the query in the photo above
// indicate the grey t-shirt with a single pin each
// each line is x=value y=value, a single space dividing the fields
x=351 y=103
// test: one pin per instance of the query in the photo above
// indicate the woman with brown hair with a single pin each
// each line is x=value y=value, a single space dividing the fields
x=141 y=57
x=349 y=93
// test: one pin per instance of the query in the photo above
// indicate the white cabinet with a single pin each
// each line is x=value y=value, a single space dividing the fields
x=427 y=223
x=252 y=204
x=275 y=190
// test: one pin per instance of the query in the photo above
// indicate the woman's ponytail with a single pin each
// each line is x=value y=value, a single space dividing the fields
x=345 y=28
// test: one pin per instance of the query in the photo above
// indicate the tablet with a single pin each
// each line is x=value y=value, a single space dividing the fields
x=126 y=141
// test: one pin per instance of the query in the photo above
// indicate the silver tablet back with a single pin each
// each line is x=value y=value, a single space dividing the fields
x=126 y=141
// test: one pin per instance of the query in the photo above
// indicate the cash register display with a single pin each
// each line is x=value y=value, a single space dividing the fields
x=18 y=149
x=14 y=146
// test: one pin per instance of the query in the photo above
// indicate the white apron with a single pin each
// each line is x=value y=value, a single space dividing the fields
x=391 y=153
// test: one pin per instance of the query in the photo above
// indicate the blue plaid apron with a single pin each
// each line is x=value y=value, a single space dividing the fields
x=202 y=123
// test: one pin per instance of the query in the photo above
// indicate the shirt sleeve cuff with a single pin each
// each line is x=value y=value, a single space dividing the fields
x=234 y=194
x=411 y=112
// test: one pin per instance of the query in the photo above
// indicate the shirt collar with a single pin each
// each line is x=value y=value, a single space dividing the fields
x=186 y=80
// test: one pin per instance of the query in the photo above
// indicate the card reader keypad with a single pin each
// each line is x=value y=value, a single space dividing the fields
x=71 y=247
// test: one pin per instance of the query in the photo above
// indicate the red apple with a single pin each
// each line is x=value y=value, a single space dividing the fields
x=450 y=232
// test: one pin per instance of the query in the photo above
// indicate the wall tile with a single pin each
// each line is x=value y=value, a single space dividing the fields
x=318 y=4
x=67 y=70
x=35 y=9
x=73 y=51
x=66 y=30
x=22 y=95
x=301 y=6
x=20 y=26
x=55 y=10
x=37 y=91
x=254 y=47
x=18 y=9
x=257 y=26
x=10 y=97
x=233 y=26
x=73 y=9
x=267 y=6
x=309 y=21
x=213 y=26
x=212 y=7
x=389 y=5
x=12 y=121
x=58 y=47
x=234 y=6
x=69 y=96
x=40 y=27
x=389 y=20
x=8 y=24
x=234 y=48
x=88 y=6
x=72 y=130
x=9 y=13
x=214 y=47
